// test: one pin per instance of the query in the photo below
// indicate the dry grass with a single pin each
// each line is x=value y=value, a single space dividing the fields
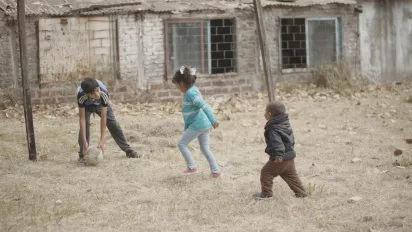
x=339 y=77
x=150 y=194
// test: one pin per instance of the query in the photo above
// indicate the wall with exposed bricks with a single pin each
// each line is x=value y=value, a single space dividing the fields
x=141 y=59
x=7 y=79
x=242 y=81
x=273 y=15
x=10 y=74
x=10 y=53
x=72 y=48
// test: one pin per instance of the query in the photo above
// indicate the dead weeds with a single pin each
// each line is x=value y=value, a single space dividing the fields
x=339 y=77
x=150 y=194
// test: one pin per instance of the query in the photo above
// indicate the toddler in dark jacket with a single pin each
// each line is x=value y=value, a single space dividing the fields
x=280 y=148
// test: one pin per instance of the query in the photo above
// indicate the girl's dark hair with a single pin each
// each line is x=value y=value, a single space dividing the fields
x=185 y=78
x=89 y=84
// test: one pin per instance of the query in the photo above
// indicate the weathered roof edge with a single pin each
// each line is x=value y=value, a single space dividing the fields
x=108 y=9
x=139 y=7
x=306 y=3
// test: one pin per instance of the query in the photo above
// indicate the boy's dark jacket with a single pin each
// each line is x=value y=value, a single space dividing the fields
x=279 y=138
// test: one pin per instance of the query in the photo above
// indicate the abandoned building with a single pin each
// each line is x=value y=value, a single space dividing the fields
x=136 y=46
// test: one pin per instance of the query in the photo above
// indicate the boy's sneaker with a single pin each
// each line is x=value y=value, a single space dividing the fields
x=133 y=154
x=81 y=160
x=216 y=174
x=190 y=171
x=261 y=196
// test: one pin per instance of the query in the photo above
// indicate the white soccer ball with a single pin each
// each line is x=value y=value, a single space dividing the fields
x=94 y=155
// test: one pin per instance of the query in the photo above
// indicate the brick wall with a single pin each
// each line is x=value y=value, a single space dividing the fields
x=10 y=74
x=142 y=54
x=102 y=47
x=141 y=38
x=130 y=49
x=32 y=51
x=7 y=79
x=217 y=84
x=9 y=38
x=142 y=60
x=273 y=15
x=245 y=79
x=64 y=50
x=153 y=46
x=76 y=47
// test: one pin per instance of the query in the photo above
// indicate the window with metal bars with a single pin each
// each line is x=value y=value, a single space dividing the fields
x=310 y=42
x=207 y=45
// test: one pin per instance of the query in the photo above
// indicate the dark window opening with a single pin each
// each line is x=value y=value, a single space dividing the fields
x=223 y=45
x=293 y=43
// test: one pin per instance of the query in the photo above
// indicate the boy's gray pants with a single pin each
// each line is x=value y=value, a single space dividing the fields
x=111 y=123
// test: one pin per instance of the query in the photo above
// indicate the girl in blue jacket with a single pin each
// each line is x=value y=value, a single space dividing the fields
x=198 y=118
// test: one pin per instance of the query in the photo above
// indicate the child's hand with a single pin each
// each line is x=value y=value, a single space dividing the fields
x=101 y=145
x=277 y=159
x=215 y=125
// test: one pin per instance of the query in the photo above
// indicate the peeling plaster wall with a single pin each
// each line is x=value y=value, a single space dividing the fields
x=386 y=40
x=82 y=47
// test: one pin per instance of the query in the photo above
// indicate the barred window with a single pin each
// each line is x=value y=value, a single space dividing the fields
x=207 y=45
x=310 y=42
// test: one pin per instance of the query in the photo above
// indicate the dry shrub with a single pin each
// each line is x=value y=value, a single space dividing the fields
x=338 y=76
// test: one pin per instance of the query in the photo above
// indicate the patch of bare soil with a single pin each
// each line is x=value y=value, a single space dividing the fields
x=345 y=143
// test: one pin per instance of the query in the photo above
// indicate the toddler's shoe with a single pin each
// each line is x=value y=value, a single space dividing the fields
x=261 y=196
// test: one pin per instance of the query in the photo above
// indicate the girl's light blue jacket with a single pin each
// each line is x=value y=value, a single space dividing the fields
x=196 y=113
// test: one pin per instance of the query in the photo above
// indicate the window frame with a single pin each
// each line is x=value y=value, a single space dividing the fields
x=339 y=39
x=202 y=38
x=204 y=22
x=337 y=45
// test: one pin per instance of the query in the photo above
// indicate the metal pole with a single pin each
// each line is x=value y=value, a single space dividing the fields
x=264 y=50
x=28 y=114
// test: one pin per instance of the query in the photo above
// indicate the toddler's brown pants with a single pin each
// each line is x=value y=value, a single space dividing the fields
x=287 y=171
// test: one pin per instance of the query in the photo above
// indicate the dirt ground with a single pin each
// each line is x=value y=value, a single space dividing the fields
x=151 y=194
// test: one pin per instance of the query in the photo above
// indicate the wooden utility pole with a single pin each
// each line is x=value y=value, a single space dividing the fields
x=28 y=113
x=264 y=50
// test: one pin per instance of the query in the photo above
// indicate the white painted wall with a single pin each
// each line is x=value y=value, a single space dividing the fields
x=131 y=56
x=141 y=48
x=385 y=39
x=80 y=48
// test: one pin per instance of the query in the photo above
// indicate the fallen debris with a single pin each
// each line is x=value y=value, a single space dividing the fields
x=374 y=230
x=355 y=160
x=397 y=152
x=354 y=199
